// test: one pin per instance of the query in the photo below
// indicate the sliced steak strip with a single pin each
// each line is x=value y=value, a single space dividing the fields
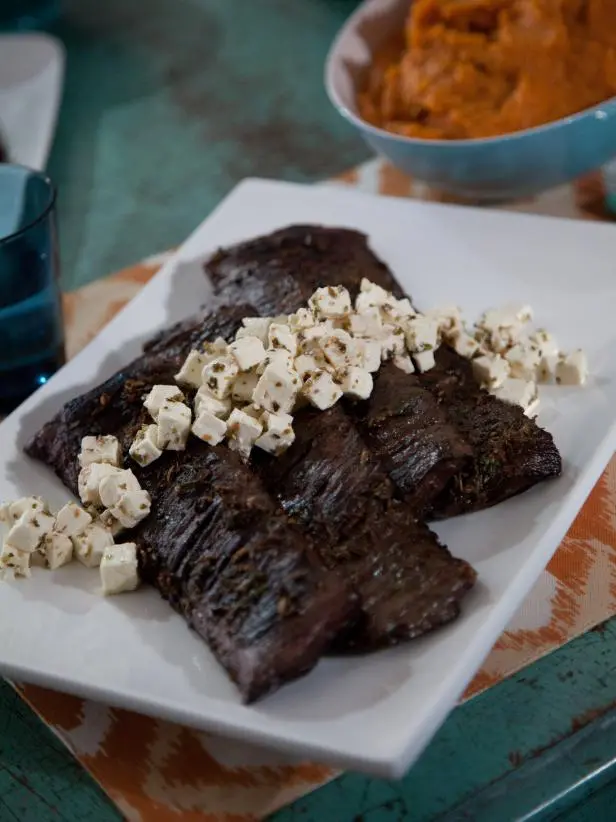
x=216 y=545
x=331 y=483
x=510 y=453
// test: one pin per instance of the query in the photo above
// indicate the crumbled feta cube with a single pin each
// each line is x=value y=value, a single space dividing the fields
x=119 y=569
x=206 y=401
x=254 y=327
x=25 y=505
x=192 y=369
x=279 y=357
x=305 y=364
x=547 y=369
x=448 y=319
x=144 y=448
x=371 y=351
x=278 y=434
x=523 y=361
x=248 y=352
x=277 y=389
x=100 y=449
x=545 y=342
x=219 y=375
x=404 y=363
x=57 y=550
x=508 y=316
x=113 y=488
x=132 y=507
x=14 y=563
x=243 y=431
x=244 y=386
x=27 y=533
x=368 y=324
x=572 y=369
x=518 y=392
x=370 y=295
x=89 y=481
x=5 y=514
x=209 y=428
x=174 y=426
x=464 y=344
x=90 y=546
x=421 y=335
x=212 y=350
x=394 y=309
x=424 y=360
x=339 y=349
x=392 y=342
x=281 y=336
x=159 y=396
x=491 y=371
x=357 y=383
x=303 y=318
x=330 y=302
x=110 y=523
x=321 y=390
x=71 y=519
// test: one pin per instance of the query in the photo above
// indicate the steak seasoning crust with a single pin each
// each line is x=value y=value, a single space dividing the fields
x=476 y=448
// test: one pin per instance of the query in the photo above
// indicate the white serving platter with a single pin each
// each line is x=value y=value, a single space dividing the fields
x=375 y=713
x=31 y=77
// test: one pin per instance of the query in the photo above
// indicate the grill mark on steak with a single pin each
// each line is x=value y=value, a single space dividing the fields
x=510 y=453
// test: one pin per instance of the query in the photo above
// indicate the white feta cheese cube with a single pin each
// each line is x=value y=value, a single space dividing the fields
x=368 y=324
x=244 y=386
x=254 y=327
x=424 y=360
x=206 y=401
x=132 y=507
x=14 y=563
x=303 y=318
x=392 y=342
x=192 y=369
x=278 y=434
x=305 y=364
x=507 y=316
x=27 y=533
x=5 y=514
x=113 y=488
x=209 y=428
x=339 y=349
x=174 y=426
x=100 y=449
x=214 y=349
x=491 y=371
x=279 y=357
x=370 y=295
x=161 y=395
x=57 y=550
x=119 y=569
x=404 y=363
x=448 y=319
x=71 y=519
x=421 y=334
x=371 y=355
x=518 y=392
x=464 y=344
x=243 y=431
x=321 y=390
x=248 y=352
x=572 y=369
x=25 y=505
x=330 y=302
x=546 y=370
x=219 y=375
x=545 y=342
x=89 y=481
x=110 y=523
x=357 y=383
x=90 y=546
x=277 y=389
x=144 y=448
x=281 y=336
x=397 y=310
x=523 y=361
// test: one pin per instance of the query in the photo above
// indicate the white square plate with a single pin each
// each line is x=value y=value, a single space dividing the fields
x=31 y=74
x=374 y=713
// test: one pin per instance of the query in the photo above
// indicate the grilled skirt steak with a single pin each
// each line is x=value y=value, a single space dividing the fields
x=510 y=453
x=216 y=546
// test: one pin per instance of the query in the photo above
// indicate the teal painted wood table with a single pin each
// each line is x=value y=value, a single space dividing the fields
x=168 y=104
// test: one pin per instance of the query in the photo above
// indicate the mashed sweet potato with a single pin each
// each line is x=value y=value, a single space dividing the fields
x=480 y=68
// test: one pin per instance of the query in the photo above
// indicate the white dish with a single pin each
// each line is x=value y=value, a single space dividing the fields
x=374 y=713
x=31 y=76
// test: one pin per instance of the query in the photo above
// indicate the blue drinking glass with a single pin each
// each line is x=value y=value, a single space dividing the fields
x=31 y=329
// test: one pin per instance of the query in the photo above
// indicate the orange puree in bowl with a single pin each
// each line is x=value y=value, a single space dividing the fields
x=480 y=68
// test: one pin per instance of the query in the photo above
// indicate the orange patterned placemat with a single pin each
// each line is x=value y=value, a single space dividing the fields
x=155 y=770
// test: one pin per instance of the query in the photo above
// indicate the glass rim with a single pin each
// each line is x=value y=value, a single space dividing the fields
x=44 y=213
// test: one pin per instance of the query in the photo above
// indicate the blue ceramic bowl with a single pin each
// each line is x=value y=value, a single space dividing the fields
x=498 y=168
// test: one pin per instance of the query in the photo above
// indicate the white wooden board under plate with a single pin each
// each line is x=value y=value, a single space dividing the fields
x=31 y=76
x=374 y=713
